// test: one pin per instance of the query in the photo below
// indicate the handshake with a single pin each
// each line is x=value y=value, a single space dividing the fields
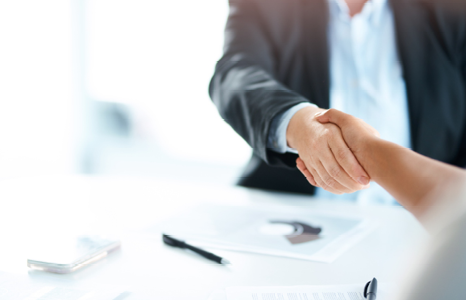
x=333 y=149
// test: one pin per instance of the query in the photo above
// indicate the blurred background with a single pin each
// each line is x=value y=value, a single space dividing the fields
x=114 y=87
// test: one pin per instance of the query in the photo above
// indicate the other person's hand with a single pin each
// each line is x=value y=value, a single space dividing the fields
x=329 y=162
x=355 y=133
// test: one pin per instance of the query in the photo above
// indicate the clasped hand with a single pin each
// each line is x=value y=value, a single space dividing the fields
x=328 y=143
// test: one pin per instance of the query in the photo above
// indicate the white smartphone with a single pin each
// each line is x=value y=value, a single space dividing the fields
x=68 y=254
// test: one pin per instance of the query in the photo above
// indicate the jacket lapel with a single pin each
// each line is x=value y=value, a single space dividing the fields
x=410 y=41
x=434 y=84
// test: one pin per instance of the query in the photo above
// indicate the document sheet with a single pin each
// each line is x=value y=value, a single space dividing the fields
x=337 y=292
x=291 y=231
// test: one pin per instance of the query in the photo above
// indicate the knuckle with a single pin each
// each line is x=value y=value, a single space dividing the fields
x=328 y=132
x=333 y=132
x=342 y=153
x=335 y=172
x=330 y=182
x=308 y=164
x=306 y=159
x=319 y=181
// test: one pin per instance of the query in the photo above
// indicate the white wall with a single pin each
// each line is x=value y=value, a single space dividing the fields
x=36 y=91
x=158 y=56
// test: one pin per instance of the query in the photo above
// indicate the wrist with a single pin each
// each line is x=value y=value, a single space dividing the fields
x=301 y=120
x=369 y=154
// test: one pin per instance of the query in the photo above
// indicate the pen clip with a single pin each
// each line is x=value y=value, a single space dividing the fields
x=365 y=288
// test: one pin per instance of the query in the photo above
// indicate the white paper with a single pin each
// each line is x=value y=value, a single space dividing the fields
x=251 y=229
x=22 y=287
x=337 y=292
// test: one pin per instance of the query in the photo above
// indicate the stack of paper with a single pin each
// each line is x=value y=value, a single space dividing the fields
x=289 y=232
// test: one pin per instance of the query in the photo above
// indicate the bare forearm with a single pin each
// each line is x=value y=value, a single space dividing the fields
x=416 y=181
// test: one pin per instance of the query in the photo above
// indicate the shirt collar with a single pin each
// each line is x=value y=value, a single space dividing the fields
x=373 y=8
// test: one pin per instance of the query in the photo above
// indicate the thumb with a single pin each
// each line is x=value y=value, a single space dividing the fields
x=322 y=117
x=334 y=116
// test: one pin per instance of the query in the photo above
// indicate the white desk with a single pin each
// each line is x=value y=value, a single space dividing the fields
x=152 y=270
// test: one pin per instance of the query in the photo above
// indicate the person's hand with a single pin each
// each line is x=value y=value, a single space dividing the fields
x=325 y=156
x=355 y=133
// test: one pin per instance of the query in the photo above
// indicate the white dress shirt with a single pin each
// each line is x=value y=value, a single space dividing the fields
x=365 y=81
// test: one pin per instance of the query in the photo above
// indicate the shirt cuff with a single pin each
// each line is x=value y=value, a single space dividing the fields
x=276 y=139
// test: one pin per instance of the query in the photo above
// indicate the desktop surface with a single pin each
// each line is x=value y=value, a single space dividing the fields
x=148 y=269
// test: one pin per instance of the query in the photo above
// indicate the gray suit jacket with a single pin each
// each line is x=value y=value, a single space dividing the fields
x=276 y=56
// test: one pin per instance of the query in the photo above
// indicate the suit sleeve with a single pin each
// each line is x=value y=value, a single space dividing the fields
x=462 y=152
x=244 y=88
x=460 y=160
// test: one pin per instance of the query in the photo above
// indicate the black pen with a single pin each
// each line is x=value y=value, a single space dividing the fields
x=168 y=240
x=370 y=290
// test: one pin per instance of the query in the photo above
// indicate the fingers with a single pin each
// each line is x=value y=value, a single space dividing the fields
x=356 y=175
x=333 y=166
x=319 y=177
x=326 y=159
x=302 y=167
x=319 y=181
x=330 y=170
x=353 y=129
x=342 y=119
x=327 y=181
